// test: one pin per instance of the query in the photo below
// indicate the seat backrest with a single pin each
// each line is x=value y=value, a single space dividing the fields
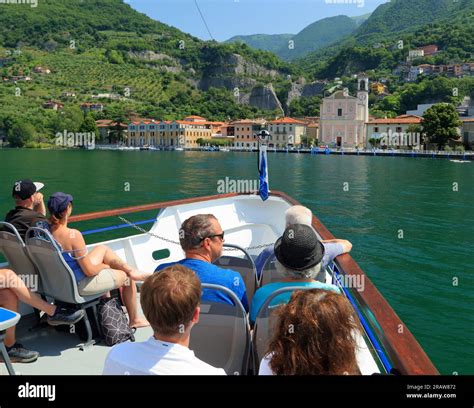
x=270 y=273
x=244 y=266
x=265 y=324
x=14 y=250
x=222 y=336
x=57 y=279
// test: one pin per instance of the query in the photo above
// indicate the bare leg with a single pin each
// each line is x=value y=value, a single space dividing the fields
x=9 y=301
x=10 y=280
x=129 y=296
x=103 y=254
x=130 y=300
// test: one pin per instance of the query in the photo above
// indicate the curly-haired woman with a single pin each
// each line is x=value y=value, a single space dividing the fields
x=315 y=334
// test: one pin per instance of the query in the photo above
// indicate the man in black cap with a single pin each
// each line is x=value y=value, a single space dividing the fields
x=30 y=210
x=299 y=255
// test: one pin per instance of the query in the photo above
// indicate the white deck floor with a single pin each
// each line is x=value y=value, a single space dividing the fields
x=60 y=353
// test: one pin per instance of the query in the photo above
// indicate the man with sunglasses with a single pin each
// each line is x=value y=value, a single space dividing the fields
x=202 y=239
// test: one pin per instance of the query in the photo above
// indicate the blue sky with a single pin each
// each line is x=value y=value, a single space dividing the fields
x=227 y=18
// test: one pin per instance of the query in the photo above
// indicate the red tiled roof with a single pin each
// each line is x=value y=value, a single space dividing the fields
x=243 y=122
x=287 y=120
x=429 y=49
x=185 y=122
x=194 y=117
x=402 y=119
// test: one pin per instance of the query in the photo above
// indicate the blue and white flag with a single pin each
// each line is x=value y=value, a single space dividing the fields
x=263 y=188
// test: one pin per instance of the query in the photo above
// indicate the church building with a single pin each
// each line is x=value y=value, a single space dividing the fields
x=344 y=117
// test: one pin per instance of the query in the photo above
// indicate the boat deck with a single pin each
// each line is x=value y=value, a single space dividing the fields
x=59 y=351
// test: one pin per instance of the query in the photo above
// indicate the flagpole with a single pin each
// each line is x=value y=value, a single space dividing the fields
x=263 y=187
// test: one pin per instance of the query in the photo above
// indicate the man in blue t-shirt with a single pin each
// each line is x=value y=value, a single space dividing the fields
x=332 y=247
x=202 y=239
x=299 y=256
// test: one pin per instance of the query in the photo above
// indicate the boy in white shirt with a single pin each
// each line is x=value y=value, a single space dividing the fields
x=170 y=301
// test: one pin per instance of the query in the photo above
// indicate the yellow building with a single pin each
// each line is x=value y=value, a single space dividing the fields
x=169 y=134
x=312 y=132
x=378 y=88
x=143 y=132
x=286 y=132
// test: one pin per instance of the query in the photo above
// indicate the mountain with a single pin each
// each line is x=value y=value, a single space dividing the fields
x=406 y=15
x=375 y=44
x=140 y=67
x=266 y=42
x=317 y=35
x=361 y=19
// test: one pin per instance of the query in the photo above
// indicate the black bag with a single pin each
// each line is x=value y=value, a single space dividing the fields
x=114 y=323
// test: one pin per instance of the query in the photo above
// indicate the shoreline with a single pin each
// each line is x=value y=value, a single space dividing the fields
x=464 y=156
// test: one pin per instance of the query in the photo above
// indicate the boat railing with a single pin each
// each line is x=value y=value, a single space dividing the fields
x=364 y=320
x=402 y=349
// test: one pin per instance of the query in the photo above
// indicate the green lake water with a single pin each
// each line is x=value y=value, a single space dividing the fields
x=410 y=219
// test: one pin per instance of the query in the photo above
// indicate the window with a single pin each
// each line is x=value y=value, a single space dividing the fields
x=339 y=112
x=376 y=129
x=399 y=130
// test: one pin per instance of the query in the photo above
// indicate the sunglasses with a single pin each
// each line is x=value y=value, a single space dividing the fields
x=221 y=236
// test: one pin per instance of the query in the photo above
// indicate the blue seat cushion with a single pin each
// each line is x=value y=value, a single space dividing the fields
x=8 y=318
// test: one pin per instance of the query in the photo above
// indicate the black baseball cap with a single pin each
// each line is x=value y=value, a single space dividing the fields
x=58 y=202
x=299 y=248
x=24 y=189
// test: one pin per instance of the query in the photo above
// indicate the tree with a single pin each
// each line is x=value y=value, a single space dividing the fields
x=20 y=134
x=114 y=57
x=88 y=125
x=116 y=133
x=441 y=123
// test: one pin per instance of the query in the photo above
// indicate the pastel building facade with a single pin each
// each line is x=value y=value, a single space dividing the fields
x=344 y=117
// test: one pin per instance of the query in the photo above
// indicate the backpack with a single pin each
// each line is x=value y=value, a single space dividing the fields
x=114 y=323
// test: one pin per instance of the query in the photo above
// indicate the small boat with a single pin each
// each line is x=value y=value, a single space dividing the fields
x=250 y=224
x=179 y=149
x=460 y=161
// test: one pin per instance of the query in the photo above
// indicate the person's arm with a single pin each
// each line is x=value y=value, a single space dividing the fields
x=80 y=251
x=344 y=242
x=38 y=204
